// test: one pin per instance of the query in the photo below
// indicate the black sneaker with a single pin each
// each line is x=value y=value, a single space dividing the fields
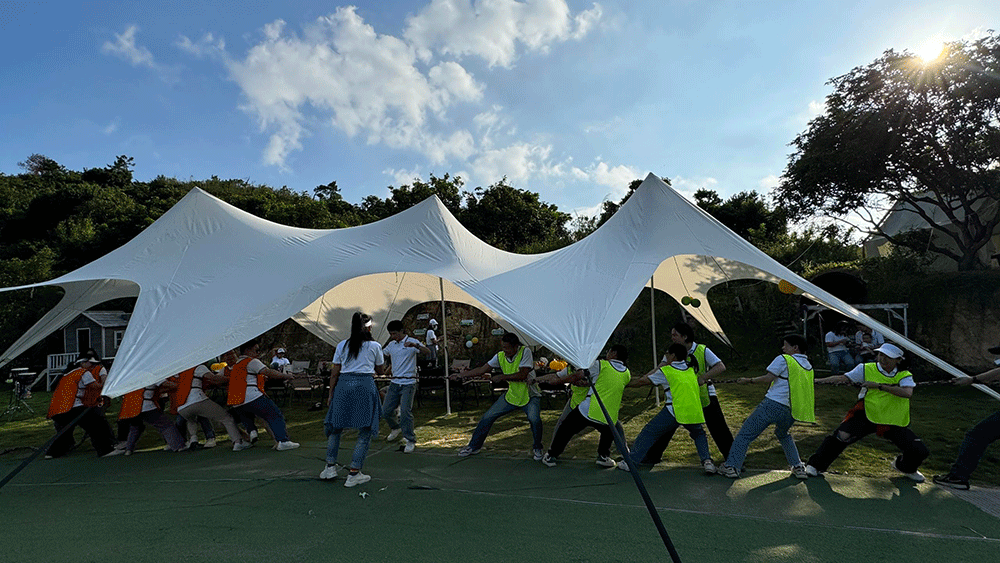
x=951 y=482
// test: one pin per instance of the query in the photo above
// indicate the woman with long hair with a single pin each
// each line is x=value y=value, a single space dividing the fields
x=354 y=400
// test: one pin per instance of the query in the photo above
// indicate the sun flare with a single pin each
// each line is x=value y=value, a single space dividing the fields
x=930 y=49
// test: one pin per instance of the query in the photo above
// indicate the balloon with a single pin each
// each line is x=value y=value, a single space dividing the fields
x=685 y=300
x=468 y=344
x=218 y=366
x=787 y=287
x=696 y=302
x=475 y=340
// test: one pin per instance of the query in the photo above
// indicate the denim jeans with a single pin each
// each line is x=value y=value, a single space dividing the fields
x=265 y=408
x=841 y=362
x=663 y=425
x=974 y=445
x=400 y=396
x=360 y=448
x=768 y=412
x=533 y=409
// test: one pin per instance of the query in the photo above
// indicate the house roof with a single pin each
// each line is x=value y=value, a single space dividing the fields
x=108 y=319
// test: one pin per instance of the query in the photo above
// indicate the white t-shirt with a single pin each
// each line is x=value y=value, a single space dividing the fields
x=658 y=378
x=595 y=372
x=527 y=361
x=86 y=380
x=857 y=375
x=149 y=398
x=779 y=390
x=429 y=339
x=404 y=360
x=369 y=356
x=197 y=393
x=877 y=339
x=282 y=362
x=253 y=368
x=710 y=358
x=833 y=337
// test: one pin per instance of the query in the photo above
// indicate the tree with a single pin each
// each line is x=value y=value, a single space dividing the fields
x=514 y=220
x=746 y=214
x=923 y=135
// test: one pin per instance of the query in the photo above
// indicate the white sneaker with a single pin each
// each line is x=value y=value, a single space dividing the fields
x=812 y=471
x=330 y=472
x=916 y=476
x=605 y=461
x=113 y=453
x=467 y=451
x=622 y=465
x=242 y=445
x=286 y=445
x=548 y=461
x=708 y=466
x=537 y=455
x=800 y=472
x=357 y=479
x=409 y=447
x=393 y=435
x=253 y=436
x=211 y=443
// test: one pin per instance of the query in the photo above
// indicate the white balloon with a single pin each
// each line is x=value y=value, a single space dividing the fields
x=468 y=344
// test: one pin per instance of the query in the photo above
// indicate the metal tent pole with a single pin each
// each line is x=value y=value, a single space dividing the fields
x=444 y=368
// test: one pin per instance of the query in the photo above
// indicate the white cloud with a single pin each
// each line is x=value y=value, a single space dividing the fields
x=769 y=182
x=124 y=47
x=493 y=29
x=111 y=127
x=816 y=109
x=403 y=177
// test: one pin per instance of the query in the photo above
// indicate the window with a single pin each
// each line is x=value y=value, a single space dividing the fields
x=119 y=336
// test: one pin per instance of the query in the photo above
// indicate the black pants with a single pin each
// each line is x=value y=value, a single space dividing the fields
x=717 y=428
x=126 y=424
x=572 y=425
x=856 y=426
x=92 y=422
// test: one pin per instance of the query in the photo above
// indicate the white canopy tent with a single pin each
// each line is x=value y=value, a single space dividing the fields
x=205 y=278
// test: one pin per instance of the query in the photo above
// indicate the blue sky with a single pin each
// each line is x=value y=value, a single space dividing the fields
x=571 y=99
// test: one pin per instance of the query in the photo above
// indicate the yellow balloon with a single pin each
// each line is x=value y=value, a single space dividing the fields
x=218 y=366
x=786 y=287
x=475 y=340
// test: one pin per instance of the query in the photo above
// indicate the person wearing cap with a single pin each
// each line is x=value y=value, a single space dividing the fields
x=883 y=407
x=431 y=338
x=279 y=361
x=75 y=394
x=977 y=439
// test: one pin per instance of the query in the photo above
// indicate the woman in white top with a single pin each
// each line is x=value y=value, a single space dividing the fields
x=354 y=400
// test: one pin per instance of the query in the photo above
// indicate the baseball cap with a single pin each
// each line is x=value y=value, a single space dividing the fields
x=890 y=350
x=433 y=322
x=280 y=351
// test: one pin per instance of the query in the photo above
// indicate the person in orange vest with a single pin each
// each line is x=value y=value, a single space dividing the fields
x=151 y=413
x=128 y=417
x=246 y=394
x=193 y=404
x=76 y=393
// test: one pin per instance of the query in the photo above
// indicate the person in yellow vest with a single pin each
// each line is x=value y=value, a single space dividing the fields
x=193 y=404
x=788 y=399
x=515 y=364
x=246 y=394
x=150 y=412
x=609 y=377
x=709 y=366
x=76 y=393
x=883 y=408
x=682 y=407
x=579 y=388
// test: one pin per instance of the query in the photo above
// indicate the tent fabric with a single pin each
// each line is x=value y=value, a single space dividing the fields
x=210 y=276
x=385 y=297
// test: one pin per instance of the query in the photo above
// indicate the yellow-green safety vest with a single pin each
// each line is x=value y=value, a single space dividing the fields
x=684 y=390
x=882 y=407
x=699 y=354
x=577 y=394
x=517 y=391
x=610 y=386
x=801 y=393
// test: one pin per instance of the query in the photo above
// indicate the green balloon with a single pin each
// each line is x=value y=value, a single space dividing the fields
x=685 y=300
x=696 y=302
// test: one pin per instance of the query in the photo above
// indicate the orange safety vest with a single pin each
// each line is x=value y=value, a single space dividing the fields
x=131 y=405
x=92 y=396
x=66 y=392
x=238 y=382
x=171 y=394
x=184 y=380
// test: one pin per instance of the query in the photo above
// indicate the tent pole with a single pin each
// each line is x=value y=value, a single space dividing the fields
x=652 y=319
x=444 y=332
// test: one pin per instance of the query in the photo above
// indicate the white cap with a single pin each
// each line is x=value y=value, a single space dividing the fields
x=890 y=350
x=280 y=351
x=433 y=322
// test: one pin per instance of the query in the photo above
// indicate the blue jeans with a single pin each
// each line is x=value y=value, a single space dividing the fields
x=360 y=448
x=768 y=412
x=533 y=409
x=840 y=362
x=974 y=446
x=400 y=396
x=663 y=426
x=265 y=408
